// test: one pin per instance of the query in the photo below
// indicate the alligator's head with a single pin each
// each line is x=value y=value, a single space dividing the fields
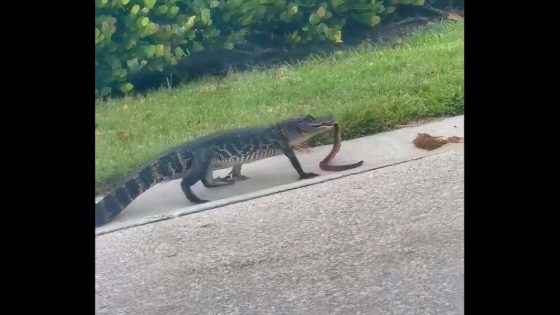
x=300 y=129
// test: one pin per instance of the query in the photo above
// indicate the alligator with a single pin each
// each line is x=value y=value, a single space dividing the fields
x=196 y=160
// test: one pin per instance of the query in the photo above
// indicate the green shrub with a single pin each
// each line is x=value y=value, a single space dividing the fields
x=153 y=35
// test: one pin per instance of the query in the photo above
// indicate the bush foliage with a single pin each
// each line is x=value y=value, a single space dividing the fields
x=153 y=35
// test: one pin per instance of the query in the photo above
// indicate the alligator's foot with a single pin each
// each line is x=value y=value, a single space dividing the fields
x=308 y=175
x=200 y=201
x=231 y=177
x=234 y=174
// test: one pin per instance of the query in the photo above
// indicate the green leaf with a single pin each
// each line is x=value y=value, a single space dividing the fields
x=314 y=19
x=143 y=22
x=336 y=36
x=120 y=74
x=130 y=43
x=132 y=63
x=214 y=4
x=322 y=28
x=150 y=3
x=149 y=50
x=152 y=28
x=321 y=12
x=246 y=19
x=135 y=9
x=294 y=9
x=389 y=10
x=127 y=87
x=367 y=18
x=293 y=37
x=191 y=34
x=419 y=2
x=173 y=11
x=162 y=9
x=205 y=17
x=337 y=3
x=108 y=26
x=228 y=45
x=160 y=50
x=125 y=2
x=197 y=46
x=190 y=22
x=179 y=52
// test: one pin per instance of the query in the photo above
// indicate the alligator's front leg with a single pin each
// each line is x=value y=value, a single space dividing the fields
x=287 y=150
x=234 y=174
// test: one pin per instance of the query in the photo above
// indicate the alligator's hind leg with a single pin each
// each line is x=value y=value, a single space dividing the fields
x=235 y=174
x=193 y=175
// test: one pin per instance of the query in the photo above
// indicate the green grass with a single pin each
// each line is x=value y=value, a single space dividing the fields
x=368 y=89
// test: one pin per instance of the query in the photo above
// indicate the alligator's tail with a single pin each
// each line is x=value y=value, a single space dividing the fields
x=164 y=168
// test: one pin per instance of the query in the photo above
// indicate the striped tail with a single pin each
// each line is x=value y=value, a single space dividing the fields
x=164 y=168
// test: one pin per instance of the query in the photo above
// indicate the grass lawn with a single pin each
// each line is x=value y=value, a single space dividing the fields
x=368 y=89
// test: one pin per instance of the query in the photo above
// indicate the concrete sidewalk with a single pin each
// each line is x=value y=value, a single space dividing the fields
x=273 y=175
x=388 y=241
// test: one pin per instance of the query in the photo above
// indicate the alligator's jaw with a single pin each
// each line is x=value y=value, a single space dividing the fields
x=321 y=128
x=328 y=123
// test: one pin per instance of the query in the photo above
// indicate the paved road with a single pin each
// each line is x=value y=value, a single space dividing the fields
x=388 y=241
